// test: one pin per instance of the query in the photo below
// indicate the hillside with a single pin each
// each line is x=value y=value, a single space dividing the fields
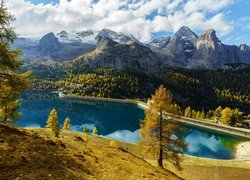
x=33 y=154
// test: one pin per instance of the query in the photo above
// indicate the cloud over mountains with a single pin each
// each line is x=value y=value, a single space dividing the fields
x=141 y=18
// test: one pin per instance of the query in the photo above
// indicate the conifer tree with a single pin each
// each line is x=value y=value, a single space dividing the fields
x=202 y=116
x=67 y=124
x=198 y=115
x=85 y=129
x=53 y=123
x=188 y=112
x=226 y=116
x=176 y=109
x=157 y=131
x=209 y=114
x=237 y=117
x=193 y=114
x=12 y=83
x=217 y=112
x=95 y=131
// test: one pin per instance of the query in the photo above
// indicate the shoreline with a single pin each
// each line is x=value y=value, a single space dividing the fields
x=242 y=151
x=233 y=131
x=127 y=101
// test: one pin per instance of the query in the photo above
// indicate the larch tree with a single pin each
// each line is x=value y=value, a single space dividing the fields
x=67 y=124
x=226 y=116
x=188 y=112
x=85 y=129
x=237 y=117
x=160 y=134
x=198 y=115
x=53 y=123
x=95 y=131
x=217 y=112
x=12 y=83
x=193 y=114
x=176 y=109
x=203 y=115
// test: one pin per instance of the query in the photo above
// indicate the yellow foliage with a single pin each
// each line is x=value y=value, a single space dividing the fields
x=67 y=125
x=113 y=144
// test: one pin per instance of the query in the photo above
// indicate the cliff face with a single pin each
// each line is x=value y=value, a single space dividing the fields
x=186 y=49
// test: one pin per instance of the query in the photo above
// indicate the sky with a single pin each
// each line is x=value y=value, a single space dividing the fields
x=145 y=19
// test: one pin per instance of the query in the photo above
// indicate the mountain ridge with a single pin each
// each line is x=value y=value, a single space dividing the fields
x=184 y=49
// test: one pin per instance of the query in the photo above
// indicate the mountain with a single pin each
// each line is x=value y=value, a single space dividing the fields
x=66 y=45
x=50 y=47
x=121 y=56
x=184 y=49
x=188 y=50
x=177 y=49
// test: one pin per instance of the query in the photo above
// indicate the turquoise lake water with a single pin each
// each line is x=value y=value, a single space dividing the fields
x=118 y=121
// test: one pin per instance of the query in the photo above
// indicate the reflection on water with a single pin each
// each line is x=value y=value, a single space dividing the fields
x=206 y=143
x=125 y=135
x=107 y=117
x=116 y=121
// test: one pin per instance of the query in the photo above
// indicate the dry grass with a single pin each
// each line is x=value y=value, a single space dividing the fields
x=34 y=154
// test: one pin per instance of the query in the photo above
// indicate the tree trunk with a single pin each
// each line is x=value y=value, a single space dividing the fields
x=160 y=160
x=5 y=117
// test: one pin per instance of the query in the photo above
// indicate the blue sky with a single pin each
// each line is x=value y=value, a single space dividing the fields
x=145 y=19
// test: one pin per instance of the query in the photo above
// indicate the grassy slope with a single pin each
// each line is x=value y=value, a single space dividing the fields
x=33 y=154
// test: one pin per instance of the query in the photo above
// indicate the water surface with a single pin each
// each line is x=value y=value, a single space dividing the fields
x=118 y=121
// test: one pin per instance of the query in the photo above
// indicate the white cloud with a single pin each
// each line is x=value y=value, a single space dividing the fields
x=125 y=135
x=130 y=16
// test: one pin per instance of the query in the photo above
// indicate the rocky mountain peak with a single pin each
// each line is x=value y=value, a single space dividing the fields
x=185 y=33
x=209 y=35
x=104 y=42
x=116 y=36
x=49 y=43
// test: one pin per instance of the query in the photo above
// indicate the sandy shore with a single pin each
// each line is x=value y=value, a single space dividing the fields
x=243 y=151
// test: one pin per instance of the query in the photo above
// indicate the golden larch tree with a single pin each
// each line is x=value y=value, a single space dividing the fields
x=67 y=124
x=95 y=131
x=188 y=112
x=226 y=115
x=160 y=134
x=53 y=123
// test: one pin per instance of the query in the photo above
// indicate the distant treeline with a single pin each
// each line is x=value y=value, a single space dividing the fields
x=201 y=89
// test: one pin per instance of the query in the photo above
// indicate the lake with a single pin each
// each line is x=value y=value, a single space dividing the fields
x=117 y=121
